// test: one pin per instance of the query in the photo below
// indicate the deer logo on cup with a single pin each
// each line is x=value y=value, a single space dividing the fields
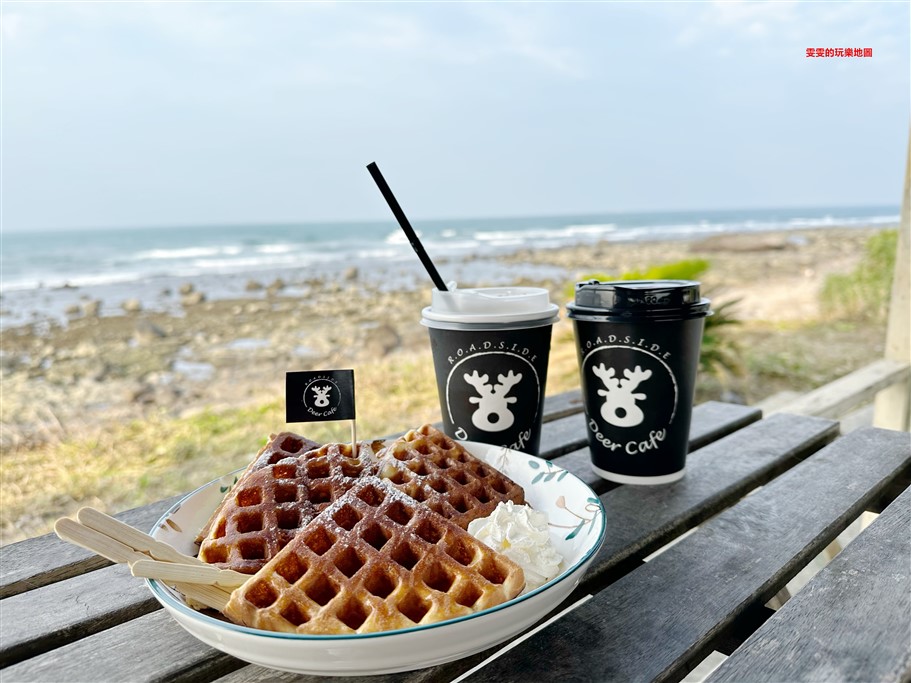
x=620 y=409
x=321 y=399
x=492 y=413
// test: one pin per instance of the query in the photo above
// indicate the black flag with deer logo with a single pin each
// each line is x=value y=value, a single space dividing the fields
x=319 y=395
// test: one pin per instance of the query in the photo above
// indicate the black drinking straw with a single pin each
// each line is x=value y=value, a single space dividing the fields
x=406 y=226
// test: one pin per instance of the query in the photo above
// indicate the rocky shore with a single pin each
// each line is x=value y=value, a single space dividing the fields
x=64 y=378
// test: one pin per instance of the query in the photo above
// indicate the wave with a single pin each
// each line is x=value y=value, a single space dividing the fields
x=32 y=269
x=567 y=232
x=186 y=253
x=399 y=237
x=279 y=248
x=61 y=282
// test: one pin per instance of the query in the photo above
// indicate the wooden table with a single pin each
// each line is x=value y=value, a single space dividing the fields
x=65 y=615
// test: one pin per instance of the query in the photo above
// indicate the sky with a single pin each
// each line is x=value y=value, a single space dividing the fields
x=124 y=114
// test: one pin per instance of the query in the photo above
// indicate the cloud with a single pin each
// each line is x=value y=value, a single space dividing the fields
x=789 y=22
x=524 y=32
x=12 y=25
x=337 y=32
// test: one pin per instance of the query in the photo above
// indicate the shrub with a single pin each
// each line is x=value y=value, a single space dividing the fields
x=687 y=269
x=864 y=293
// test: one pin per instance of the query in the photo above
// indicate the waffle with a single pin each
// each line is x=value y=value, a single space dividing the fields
x=279 y=446
x=268 y=506
x=374 y=560
x=435 y=470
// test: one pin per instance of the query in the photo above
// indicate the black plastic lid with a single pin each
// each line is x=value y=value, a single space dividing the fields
x=638 y=299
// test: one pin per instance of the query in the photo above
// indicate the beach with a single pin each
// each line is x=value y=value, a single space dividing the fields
x=92 y=394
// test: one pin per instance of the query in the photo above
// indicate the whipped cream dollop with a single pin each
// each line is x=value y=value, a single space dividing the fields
x=520 y=533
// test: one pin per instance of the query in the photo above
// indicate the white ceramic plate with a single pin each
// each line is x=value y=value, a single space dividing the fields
x=576 y=528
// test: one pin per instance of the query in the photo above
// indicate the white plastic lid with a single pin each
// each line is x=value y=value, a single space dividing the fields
x=490 y=305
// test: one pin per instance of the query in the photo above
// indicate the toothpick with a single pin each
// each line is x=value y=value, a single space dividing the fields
x=354 y=452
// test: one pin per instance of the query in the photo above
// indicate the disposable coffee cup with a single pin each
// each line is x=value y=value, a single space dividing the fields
x=638 y=345
x=490 y=351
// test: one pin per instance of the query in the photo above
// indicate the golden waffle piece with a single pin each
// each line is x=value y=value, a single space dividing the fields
x=374 y=560
x=278 y=447
x=437 y=471
x=271 y=504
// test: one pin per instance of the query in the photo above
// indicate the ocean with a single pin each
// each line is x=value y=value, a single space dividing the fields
x=42 y=273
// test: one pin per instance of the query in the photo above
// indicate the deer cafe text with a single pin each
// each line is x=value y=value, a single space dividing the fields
x=628 y=341
x=523 y=351
x=655 y=437
x=322 y=413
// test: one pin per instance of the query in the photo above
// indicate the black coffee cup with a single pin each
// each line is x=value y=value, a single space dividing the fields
x=490 y=352
x=638 y=344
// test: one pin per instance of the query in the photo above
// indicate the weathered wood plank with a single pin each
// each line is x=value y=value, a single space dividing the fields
x=562 y=435
x=659 y=621
x=259 y=674
x=561 y=405
x=643 y=519
x=59 y=613
x=838 y=397
x=46 y=559
x=711 y=421
x=149 y=648
x=852 y=622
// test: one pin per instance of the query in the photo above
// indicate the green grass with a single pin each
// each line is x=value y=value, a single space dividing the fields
x=864 y=293
x=142 y=461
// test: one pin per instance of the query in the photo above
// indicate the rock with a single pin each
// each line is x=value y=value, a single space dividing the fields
x=192 y=299
x=97 y=369
x=741 y=243
x=253 y=286
x=91 y=308
x=84 y=349
x=8 y=362
x=166 y=291
x=382 y=340
x=131 y=306
x=275 y=287
x=187 y=288
x=73 y=310
x=350 y=274
x=144 y=394
x=730 y=396
x=148 y=332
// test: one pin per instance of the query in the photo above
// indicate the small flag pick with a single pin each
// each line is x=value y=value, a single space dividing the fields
x=320 y=396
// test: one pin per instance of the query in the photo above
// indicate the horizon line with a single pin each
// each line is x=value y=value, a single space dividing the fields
x=391 y=220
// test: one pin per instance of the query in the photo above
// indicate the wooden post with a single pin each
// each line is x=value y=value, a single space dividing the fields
x=892 y=408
